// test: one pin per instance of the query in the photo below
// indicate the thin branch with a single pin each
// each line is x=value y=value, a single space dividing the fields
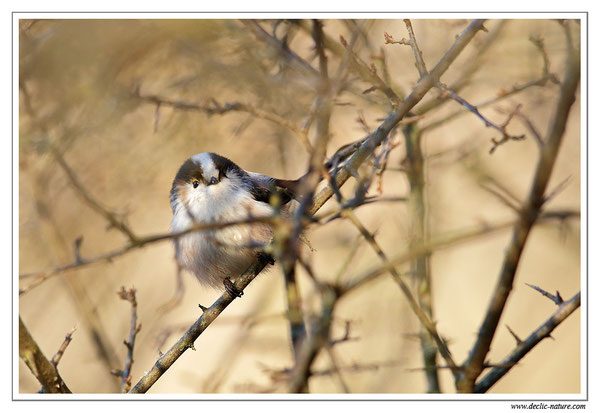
x=63 y=347
x=367 y=145
x=415 y=172
x=129 y=295
x=412 y=301
x=361 y=154
x=40 y=277
x=216 y=108
x=420 y=63
x=43 y=370
x=556 y=299
x=531 y=212
x=319 y=337
x=565 y=309
x=369 y=74
x=166 y=360
x=287 y=56
x=531 y=127
x=500 y=128
x=111 y=217
x=433 y=244
x=543 y=80
x=389 y=39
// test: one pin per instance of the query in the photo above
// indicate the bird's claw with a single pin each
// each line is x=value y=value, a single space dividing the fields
x=231 y=289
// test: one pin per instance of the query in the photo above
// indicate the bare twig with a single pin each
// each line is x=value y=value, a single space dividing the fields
x=361 y=154
x=415 y=172
x=43 y=370
x=367 y=145
x=531 y=212
x=215 y=108
x=556 y=299
x=412 y=301
x=500 y=128
x=319 y=337
x=63 y=347
x=111 y=217
x=420 y=63
x=565 y=309
x=129 y=295
x=40 y=277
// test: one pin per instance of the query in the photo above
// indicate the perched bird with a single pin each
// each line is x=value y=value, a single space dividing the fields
x=209 y=188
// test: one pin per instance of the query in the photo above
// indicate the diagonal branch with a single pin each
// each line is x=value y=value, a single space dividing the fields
x=90 y=200
x=361 y=154
x=425 y=320
x=556 y=299
x=43 y=370
x=525 y=346
x=530 y=213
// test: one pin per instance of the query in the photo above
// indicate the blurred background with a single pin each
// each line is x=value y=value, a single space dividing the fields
x=82 y=84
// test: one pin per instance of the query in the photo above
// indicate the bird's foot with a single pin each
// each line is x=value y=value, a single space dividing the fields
x=231 y=289
x=266 y=258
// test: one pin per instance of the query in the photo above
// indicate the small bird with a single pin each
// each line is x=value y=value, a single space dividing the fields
x=210 y=188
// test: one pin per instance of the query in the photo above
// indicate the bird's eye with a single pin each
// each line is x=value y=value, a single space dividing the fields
x=195 y=183
x=213 y=180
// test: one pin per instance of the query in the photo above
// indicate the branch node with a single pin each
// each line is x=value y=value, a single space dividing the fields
x=556 y=299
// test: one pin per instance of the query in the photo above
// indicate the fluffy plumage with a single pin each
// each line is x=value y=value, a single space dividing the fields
x=210 y=188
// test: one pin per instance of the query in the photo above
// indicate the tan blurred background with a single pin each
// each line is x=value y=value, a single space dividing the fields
x=78 y=78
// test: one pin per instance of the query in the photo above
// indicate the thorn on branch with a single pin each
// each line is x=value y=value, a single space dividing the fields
x=556 y=299
x=518 y=340
x=77 y=250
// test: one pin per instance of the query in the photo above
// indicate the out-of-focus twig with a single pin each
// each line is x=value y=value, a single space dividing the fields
x=425 y=320
x=215 y=108
x=543 y=80
x=40 y=277
x=111 y=217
